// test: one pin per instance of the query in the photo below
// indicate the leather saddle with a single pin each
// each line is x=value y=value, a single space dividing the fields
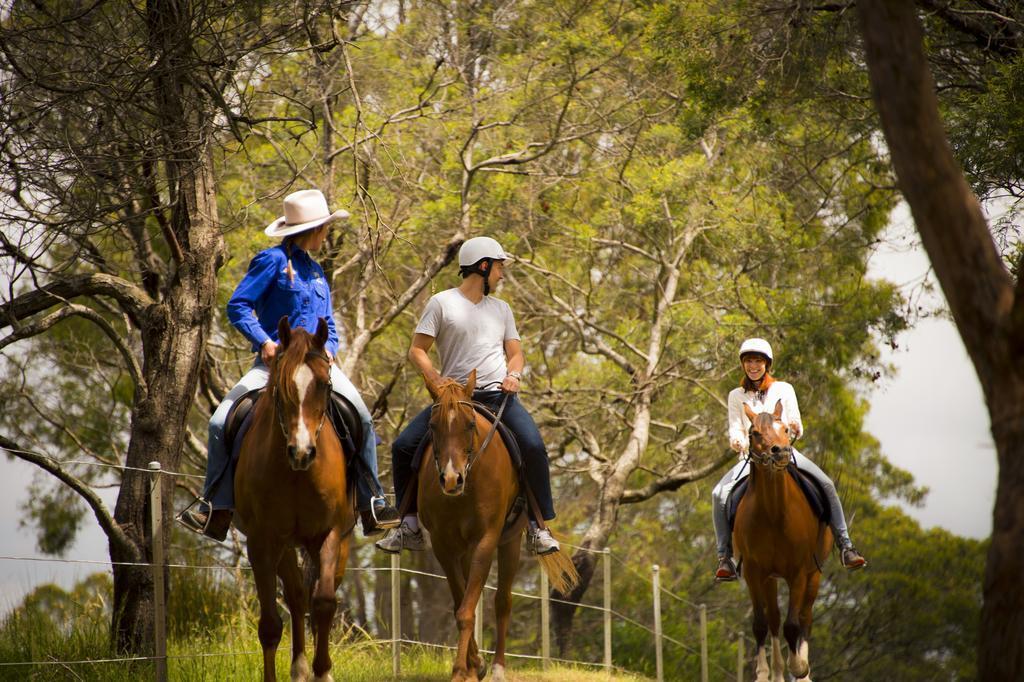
x=808 y=485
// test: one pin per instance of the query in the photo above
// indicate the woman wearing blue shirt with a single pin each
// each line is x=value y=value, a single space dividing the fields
x=285 y=281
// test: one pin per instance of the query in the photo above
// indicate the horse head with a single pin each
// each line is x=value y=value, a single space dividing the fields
x=769 y=438
x=453 y=431
x=300 y=384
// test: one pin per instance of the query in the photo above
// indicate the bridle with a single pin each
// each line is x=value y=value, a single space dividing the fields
x=765 y=458
x=471 y=453
x=279 y=407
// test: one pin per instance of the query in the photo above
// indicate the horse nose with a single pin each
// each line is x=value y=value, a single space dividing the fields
x=452 y=482
x=300 y=461
x=776 y=449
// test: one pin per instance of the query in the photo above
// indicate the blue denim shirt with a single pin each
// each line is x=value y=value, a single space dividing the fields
x=265 y=295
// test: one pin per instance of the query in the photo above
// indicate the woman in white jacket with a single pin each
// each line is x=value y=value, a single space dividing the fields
x=762 y=391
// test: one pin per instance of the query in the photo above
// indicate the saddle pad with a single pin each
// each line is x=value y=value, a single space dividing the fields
x=807 y=483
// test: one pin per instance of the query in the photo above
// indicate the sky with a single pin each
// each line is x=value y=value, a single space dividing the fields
x=945 y=444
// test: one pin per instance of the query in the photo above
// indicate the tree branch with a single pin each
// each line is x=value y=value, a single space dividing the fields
x=76 y=310
x=675 y=480
x=131 y=298
x=113 y=531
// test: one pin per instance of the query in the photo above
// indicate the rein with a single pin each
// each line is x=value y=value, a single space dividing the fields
x=279 y=408
x=473 y=454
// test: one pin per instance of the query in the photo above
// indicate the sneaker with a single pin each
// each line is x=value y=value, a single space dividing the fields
x=213 y=525
x=726 y=571
x=401 y=538
x=852 y=559
x=540 y=541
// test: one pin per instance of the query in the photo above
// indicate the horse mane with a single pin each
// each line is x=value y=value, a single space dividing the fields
x=287 y=362
x=449 y=395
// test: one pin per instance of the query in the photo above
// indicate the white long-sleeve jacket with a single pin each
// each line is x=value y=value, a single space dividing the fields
x=739 y=425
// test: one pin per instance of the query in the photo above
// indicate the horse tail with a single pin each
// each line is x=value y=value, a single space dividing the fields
x=560 y=570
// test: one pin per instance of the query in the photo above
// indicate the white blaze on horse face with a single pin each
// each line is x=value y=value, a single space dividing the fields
x=303 y=377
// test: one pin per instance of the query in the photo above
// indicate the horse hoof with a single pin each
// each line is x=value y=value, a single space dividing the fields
x=300 y=669
x=481 y=672
x=799 y=668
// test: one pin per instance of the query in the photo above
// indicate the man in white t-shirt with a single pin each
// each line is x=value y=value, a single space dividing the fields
x=473 y=330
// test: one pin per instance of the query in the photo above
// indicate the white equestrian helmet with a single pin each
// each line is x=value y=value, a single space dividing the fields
x=756 y=345
x=477 y=248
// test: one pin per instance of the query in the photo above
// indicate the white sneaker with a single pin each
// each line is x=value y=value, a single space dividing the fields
x=540 y=541
x=401 y=538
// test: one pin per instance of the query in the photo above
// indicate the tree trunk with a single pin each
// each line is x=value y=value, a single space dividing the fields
x=174 y=331
x=988 y=313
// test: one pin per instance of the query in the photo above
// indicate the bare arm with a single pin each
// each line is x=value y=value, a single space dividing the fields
x=515 y=361
x=420 y=357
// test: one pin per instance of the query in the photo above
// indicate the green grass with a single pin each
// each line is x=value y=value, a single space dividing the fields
x=221 y=654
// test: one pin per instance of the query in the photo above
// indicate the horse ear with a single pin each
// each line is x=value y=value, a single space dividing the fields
x=471 y=384
x=321 y=332
x=431 y=387
x=284 y=331
x=778 y=410
x=751 y=415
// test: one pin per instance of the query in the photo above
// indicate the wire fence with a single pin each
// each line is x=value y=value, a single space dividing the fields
x=609 y=615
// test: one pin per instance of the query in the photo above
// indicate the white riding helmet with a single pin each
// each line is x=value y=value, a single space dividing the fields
x=756 y=345
x=475 y=249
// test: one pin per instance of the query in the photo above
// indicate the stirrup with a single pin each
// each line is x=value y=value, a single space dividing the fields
x=385 y=524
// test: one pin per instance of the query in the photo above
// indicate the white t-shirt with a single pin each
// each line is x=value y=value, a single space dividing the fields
x=739 y=425
x=469 y=336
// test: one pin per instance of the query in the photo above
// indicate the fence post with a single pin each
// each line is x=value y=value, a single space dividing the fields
x=545 y=620
x=156 y=515
x=478 y=620
x=703 y=643
x=396 y=616
x=606 y=560
x=739 y=658
x=656 y=583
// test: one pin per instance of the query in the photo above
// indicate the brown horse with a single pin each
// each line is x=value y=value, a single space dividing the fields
x=777 y=535
x=291 y=492
x=464 y=500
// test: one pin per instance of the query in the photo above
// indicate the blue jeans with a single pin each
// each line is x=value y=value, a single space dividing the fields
x=515 y=417
x=219 y=488
x=720 y=496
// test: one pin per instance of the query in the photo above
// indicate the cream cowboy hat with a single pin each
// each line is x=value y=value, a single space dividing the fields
x=303 y=210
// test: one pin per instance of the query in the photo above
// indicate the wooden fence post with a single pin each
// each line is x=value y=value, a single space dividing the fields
x=606 y=560
x=703 y=643
x=545 y=620
x=659 y=661
x=739 y=658
x=156 y=515
x=396 y=616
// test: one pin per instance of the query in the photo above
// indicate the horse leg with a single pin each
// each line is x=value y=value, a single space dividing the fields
x=264 y=561
x=473 y=658
x=508 y=563
x=333 y=553
x=453 y=569
x=806 y=619
x=798 y=666
x=755 y=588
x=477 y=565
x=295 y=598
x=771 y=593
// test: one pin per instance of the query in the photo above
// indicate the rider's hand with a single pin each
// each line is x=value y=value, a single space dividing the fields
x=794 y=430
x=510 y=384
x=268 y=351
x=736 y=445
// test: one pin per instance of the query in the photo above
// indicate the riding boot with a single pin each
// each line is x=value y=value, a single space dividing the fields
x=726 y=571
x=213 y=524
